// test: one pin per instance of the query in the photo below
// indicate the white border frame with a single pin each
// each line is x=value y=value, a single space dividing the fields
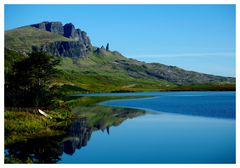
x=237 y=2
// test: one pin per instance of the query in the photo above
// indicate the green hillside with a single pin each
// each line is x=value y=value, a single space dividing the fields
x=109 y=73
x=103 y=73
x=23 y=38
x=102 y=70
x=98 y=73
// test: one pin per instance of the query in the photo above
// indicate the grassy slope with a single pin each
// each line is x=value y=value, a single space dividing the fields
x=102 y=73
x=98 y=73
x=20 y=124
x=23 y=38
x=110 y=72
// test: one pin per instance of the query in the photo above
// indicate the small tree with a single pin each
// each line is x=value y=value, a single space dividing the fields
x=29 y=84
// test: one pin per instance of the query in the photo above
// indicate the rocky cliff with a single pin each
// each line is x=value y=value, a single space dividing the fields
x=78 y=47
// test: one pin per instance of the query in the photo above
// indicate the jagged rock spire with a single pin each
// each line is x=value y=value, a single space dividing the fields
x=107 y=47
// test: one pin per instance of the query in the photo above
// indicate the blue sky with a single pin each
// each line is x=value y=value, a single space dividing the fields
x=194 y=37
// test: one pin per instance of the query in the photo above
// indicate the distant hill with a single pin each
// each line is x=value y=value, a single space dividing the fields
x=86 y=68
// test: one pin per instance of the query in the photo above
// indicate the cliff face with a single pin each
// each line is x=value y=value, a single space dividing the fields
x=71 y=49
x=78 y=47
x=54 y=27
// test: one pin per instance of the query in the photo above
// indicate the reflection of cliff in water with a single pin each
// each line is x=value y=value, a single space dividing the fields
x=77 y=134
x=80 y=130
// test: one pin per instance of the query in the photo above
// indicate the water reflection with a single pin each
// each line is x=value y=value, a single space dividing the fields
x=76 y=135
x=79 y=134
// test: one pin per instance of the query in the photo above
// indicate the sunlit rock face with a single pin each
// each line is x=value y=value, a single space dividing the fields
x=79 y=45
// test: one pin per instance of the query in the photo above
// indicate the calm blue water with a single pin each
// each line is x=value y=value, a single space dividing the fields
x=187 y=127
x=168 y=127
x=208 y=104
x=161 y=139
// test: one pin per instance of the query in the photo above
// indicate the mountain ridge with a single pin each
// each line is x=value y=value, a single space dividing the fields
x=83 y=63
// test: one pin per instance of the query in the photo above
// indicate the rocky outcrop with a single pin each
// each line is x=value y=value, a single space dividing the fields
x=183 y=77
x=70 y=31
x=54 y=27
x=171 y=74
x=85 y=39
x=107 y=47
x=78 y=47
x=73 y=49
x=100 y=51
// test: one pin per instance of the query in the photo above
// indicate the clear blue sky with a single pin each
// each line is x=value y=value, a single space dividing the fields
x=194 y=37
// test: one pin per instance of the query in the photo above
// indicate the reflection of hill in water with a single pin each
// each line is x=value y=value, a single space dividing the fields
x=94 y=118
x=77 y=134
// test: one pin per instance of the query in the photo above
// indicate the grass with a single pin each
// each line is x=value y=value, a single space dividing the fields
x=23 y=38
x=73 y=101
x=24 y=123
x=20 y=125
x=96 y=73
x=207 y=87
x=99 y=73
